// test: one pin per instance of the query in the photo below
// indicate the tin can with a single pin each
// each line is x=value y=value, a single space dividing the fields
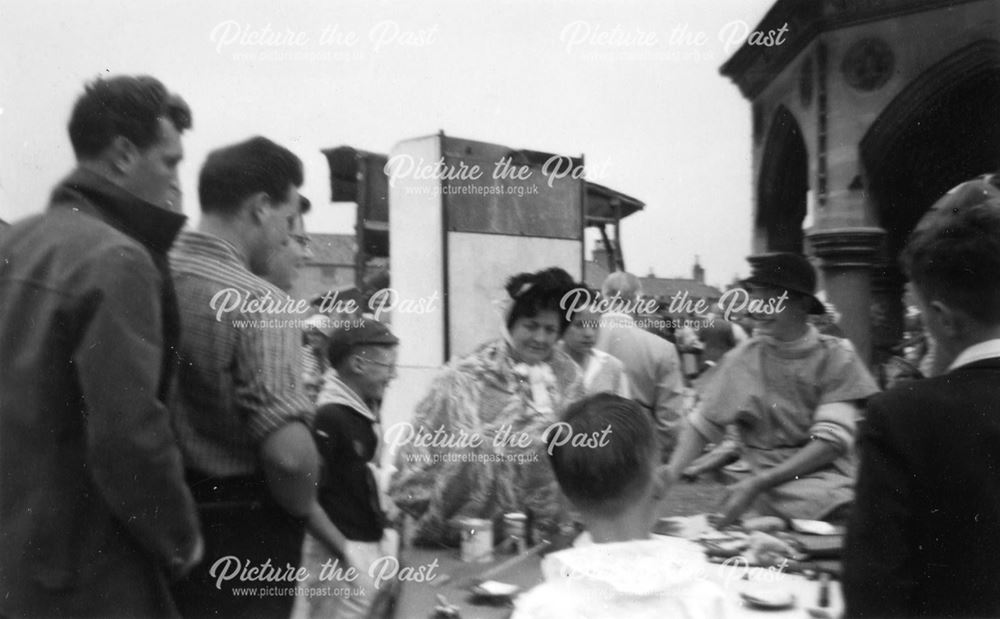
x=515 y=527
x=477 y=540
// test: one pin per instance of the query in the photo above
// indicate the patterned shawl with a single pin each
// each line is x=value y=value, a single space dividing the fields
x=486 y=395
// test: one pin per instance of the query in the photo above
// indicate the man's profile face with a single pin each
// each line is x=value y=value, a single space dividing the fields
x=274 y=234
x=151 y=173
x=283 y=266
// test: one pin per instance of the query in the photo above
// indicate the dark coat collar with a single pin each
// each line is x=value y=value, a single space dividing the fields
x=151 y=225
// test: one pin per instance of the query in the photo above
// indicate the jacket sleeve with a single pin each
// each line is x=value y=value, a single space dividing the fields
x=668 y=409
x=132 y=454
x=878 y=559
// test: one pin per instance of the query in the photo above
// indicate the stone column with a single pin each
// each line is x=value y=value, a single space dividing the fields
x=847 y=256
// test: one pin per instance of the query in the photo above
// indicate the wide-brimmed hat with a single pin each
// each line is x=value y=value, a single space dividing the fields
x=786 y=270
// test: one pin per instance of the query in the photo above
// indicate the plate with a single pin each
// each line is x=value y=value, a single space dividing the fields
x=492 y=591
x=773 y=599
x=815 y=527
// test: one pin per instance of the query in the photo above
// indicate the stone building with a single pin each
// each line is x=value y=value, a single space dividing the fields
x=865 y=114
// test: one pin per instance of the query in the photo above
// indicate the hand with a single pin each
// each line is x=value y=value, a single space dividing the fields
x=737 y=499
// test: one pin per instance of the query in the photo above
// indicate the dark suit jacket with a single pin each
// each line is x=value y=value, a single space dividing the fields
x=93 y=505
x=924 y=538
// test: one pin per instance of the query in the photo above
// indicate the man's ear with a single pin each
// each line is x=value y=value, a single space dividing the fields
x=355 y=364
x=122 y=154
x=258 y=207
x=951 y=320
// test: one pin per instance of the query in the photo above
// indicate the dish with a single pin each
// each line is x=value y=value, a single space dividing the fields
x=769 y=599
x=815 y=527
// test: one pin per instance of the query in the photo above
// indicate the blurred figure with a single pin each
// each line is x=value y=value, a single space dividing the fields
x=314 y=353
x=239 y=410
x=601 y=371
x=651 y=363
x=614 y=488
x=922 y=539
x=514 y=387
x=795 y=396
x=94 y=512
x=346 y=431
x=718 y=336
x=283 y=265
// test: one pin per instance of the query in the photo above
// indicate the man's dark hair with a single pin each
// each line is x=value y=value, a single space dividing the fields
x=953 y=255
x=537 y=292
x=127 y=106
x=233 y=173
x=604 y=479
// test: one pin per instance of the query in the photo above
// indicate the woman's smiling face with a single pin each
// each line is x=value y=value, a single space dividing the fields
x=532 y=337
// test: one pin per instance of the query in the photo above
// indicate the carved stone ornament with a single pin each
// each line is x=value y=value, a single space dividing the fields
x=868 y=64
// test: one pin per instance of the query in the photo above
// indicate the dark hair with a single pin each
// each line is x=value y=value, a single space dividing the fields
x=592 y=294
x=953 y=255
x=233 y=173
x=338 y=354
x=605 y=478
x=534 y=293
x=125 y=105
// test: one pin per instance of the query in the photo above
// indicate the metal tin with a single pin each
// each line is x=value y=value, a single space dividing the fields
x=477 y=540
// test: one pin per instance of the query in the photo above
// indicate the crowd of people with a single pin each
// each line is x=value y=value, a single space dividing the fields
x=150 y=439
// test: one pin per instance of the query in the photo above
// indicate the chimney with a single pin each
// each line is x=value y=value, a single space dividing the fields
x=698 y=273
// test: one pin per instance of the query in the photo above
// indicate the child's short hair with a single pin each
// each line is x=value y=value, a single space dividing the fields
x=604 y=475
x=953 y=254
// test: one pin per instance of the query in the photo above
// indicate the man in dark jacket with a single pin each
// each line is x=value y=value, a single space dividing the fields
x=924 y=537
x=94 y=511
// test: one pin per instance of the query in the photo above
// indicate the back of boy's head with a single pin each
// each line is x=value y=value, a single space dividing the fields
x=604 y=476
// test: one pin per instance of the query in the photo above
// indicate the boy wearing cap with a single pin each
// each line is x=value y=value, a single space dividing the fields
x=794 y=395
x=363 y=357
x=922 y=539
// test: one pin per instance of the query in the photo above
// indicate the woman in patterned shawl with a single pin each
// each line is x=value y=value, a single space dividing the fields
x=475 y=446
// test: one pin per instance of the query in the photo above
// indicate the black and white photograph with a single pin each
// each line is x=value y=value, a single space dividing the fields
x=500 y=310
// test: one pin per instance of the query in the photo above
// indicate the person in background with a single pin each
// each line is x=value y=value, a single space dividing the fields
x=922 y=539
x=239 y=411
x=795 y=396
x=87 y=321
x=514 y=387
x=651 y=363
x=601 y=371
x=346 y=431
x=283 y=266
x=614 y=487
x=314 y=353
x=718 y=336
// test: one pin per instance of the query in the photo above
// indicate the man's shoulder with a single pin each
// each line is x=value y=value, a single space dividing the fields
x=73 y=243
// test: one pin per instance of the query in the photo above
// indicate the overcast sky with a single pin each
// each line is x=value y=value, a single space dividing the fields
x=633 y=86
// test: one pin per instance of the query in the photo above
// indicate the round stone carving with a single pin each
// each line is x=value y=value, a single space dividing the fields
x=868 y=64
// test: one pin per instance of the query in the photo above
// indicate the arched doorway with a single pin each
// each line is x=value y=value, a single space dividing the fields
x=783 y=185
x=942 y=129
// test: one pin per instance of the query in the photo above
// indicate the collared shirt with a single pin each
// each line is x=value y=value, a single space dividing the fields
x=977 y=352
x=239 y=358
